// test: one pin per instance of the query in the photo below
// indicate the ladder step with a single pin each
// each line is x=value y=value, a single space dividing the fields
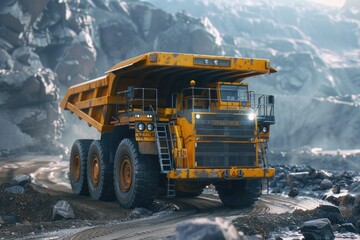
x=171 y=188
x=162 y=131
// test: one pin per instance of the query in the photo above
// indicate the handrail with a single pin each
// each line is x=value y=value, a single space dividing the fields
x=193 y=97
x=132 y=101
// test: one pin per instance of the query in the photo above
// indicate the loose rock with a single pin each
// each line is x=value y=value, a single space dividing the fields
x=293 y=192
x=347 y=227
x=20 y=180
x=323 y=175
x=206 y=228
x=319 y=229
x=63 y=210
x=326 y=184
x=336 y=189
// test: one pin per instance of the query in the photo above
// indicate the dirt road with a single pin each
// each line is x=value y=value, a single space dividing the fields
x=49 y=174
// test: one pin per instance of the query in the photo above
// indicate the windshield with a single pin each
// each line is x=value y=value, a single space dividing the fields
x=233 y=93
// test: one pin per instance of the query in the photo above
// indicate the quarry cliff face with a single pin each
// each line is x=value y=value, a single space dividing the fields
x=49 y=45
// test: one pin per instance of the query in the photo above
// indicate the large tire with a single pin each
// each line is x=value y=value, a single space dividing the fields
x=100 y=172
x=78 y=166
x=242 y=193
x=136 y=176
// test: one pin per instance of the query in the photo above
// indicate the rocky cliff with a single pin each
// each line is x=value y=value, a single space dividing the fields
x=46 y=46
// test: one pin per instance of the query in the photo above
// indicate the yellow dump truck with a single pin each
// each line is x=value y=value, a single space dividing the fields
x=172 y=124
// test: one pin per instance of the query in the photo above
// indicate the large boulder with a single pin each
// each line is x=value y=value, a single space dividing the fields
x=332 y=213
x=77 y=60
x=206 y=229
x=318 y=229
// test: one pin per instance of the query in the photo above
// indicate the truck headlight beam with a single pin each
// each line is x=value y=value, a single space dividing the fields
x=197 y=116
x=251 y=117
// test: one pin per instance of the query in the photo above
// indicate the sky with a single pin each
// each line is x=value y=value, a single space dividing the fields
x=334 y=3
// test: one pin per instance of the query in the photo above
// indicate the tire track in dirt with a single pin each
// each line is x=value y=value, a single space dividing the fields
x=49 y=174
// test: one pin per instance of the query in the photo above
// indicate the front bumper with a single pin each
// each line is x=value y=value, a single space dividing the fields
x=226 y=174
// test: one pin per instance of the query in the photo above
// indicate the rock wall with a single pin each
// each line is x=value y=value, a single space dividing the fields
x=46 y=46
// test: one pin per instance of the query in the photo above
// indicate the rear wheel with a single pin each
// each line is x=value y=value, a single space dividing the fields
x=241 y=193
x=99 y=172
x=136 y=176
x=78 y=166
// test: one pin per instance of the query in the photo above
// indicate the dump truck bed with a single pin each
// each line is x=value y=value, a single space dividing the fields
x=95 y=101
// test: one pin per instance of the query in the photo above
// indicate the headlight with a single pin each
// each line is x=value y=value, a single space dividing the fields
x=251 y=117
x=265 y=129
x=197 y=116
x=141 y=126
x=150 y=127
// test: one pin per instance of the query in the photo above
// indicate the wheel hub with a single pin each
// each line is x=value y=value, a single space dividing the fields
x=125 y=174
x=95 y=170
x=76 y=166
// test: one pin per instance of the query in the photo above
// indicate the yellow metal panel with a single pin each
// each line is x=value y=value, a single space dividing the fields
x=89 y=120
x=187 y=60
x=128 y=63
x=219 y=173
x=96 y=102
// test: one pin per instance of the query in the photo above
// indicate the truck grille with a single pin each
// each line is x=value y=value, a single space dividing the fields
x=225 y=154
x=225 y=127
x=218 y=128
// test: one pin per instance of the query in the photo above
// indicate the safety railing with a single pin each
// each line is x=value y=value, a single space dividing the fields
x=265 y=105
x=137 y=100
x=207 y=100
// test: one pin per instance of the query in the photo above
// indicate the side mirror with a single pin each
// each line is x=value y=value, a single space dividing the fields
x=271 y=99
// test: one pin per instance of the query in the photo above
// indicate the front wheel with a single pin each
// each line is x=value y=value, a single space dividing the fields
x=239 y=193
x=136 y=176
